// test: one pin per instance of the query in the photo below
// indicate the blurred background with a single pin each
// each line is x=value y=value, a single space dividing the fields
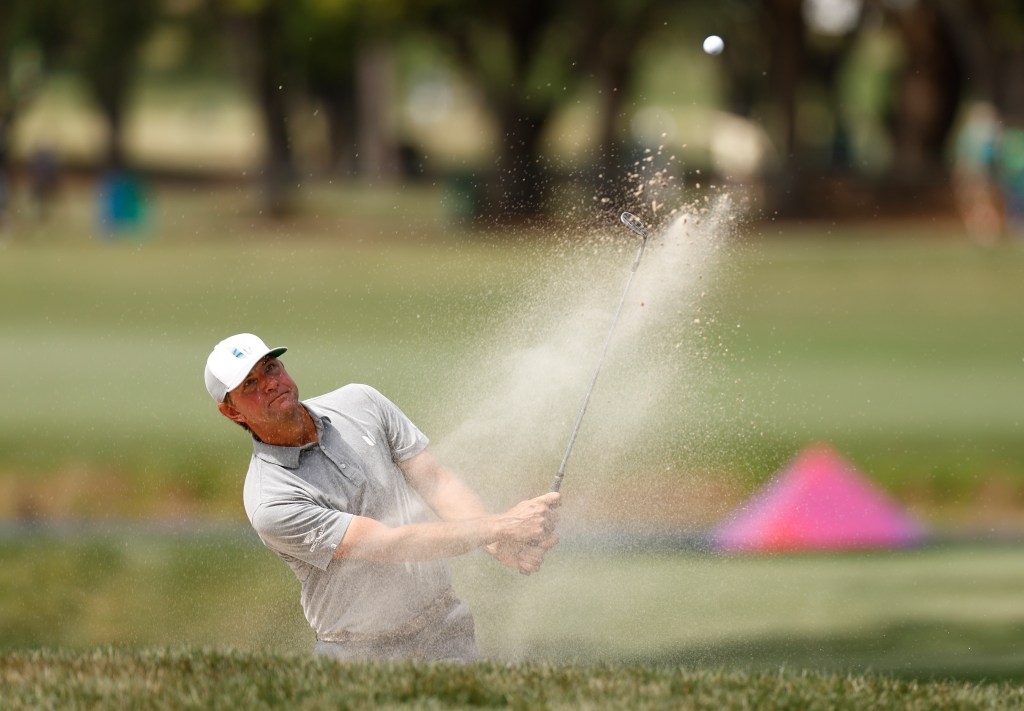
x=422 y=196
x=824 y=108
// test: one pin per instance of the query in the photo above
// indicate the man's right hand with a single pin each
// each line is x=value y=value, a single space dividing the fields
x=531 y=520
x=527 y=533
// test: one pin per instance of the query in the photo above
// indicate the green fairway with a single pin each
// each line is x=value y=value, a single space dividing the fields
x=924 y=614
x=904 y=352
x=941 y=612
x=901 y=350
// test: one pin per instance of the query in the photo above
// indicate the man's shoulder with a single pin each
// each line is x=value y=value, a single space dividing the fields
x=351 y=394
x=252 y=489
x=264 y=482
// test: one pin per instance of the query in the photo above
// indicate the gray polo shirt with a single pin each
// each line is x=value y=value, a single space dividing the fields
x=301 y=500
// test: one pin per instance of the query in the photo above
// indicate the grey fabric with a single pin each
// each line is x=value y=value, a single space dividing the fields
x=443 y=633
x=301 y=500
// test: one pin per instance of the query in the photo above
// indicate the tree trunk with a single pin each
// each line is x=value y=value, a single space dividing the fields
x=521 y=186
x=610 y=161
x=112 y=106
x=278 y=170
x=6 y=111
x=785 y=61
x=1009 y=86
x=928 y=95
x=255 y=53
x=378 y=157
x=340 y=108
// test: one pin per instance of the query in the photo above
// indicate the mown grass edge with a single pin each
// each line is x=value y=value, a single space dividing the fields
x=211 y=678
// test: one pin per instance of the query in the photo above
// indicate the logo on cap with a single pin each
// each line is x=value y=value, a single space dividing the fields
x=240 y=353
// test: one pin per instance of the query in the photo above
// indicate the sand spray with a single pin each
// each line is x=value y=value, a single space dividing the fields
x=523 y=383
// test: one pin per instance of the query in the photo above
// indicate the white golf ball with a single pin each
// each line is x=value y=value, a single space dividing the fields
x=714 y=45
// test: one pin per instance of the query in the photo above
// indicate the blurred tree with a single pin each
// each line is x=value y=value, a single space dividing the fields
x=952 y=52
x=989 y=39
x=766 y=71
x=337 y=52
x=784 y=24
x=611 y=33
x=530 y=57
x=6 y=103
x=1007 y=23
x=97 y=39
x=784 y=52
x=107 y=37
x=27 y=36
x=506 y=50
x=257 y=47
x=329 y=64
x=928 y=90
x=346 y=48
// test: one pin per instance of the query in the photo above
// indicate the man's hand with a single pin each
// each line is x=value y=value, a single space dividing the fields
x=528 y=533
x=530 y=520
x=524 y=557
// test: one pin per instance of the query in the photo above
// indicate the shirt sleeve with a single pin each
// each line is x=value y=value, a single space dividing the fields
x=404 y=438
x=301 y=529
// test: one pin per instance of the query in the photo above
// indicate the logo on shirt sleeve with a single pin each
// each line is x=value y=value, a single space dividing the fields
x=314 y=539
x=368 y=438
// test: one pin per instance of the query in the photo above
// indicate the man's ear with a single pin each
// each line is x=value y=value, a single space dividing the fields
x=231 y=413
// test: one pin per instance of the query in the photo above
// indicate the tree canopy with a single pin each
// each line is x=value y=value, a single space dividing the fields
x=871 y=89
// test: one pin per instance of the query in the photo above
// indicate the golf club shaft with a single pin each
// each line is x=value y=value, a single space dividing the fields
x=557 y=483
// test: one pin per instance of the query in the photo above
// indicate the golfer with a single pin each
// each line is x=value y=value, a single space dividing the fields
x=343 y=489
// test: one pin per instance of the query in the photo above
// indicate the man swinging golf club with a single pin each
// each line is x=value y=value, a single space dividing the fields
x=343 y=489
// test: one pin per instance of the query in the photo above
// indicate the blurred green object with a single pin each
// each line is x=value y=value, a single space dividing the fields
x=122 y=204
x=1010 y=172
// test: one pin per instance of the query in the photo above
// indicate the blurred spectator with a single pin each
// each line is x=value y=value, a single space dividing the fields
x=122 y=204
x=1010 y=173
x=974 y=171
x=44 y=174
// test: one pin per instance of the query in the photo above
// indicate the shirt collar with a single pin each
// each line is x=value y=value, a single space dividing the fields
x=288 y=457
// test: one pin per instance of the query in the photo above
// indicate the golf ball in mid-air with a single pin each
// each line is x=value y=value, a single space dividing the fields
x=714 y=45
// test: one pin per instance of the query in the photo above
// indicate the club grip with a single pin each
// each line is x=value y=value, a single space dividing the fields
x=557 y=483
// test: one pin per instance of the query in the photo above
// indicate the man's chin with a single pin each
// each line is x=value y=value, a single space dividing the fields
x=283 y=402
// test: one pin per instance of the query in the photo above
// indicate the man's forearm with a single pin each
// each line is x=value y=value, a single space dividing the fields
x=367 y=539
x=447 y=496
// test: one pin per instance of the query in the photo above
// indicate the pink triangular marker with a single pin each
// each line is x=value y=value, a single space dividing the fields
x=819 y=502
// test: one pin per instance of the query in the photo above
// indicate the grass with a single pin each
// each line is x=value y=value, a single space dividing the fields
x=897 y=349
x=900 y=350
x=944 y=612
x=114 y=336
x=184 y=679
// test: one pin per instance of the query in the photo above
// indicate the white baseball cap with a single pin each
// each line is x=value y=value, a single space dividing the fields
x=232 y=359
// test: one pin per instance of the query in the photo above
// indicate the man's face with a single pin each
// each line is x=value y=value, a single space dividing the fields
x=268 y=395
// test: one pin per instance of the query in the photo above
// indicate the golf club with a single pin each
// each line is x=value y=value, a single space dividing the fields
x=633 y=223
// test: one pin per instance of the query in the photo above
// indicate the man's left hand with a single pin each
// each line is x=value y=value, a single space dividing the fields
x=525 y=557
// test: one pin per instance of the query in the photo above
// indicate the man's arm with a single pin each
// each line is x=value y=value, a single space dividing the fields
x=452 y=500
x=368 y=539
x=444 y=493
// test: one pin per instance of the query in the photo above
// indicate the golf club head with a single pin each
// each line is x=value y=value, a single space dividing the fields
x=633 y=222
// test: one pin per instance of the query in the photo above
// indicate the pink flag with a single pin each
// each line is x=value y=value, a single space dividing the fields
x=819 y=502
